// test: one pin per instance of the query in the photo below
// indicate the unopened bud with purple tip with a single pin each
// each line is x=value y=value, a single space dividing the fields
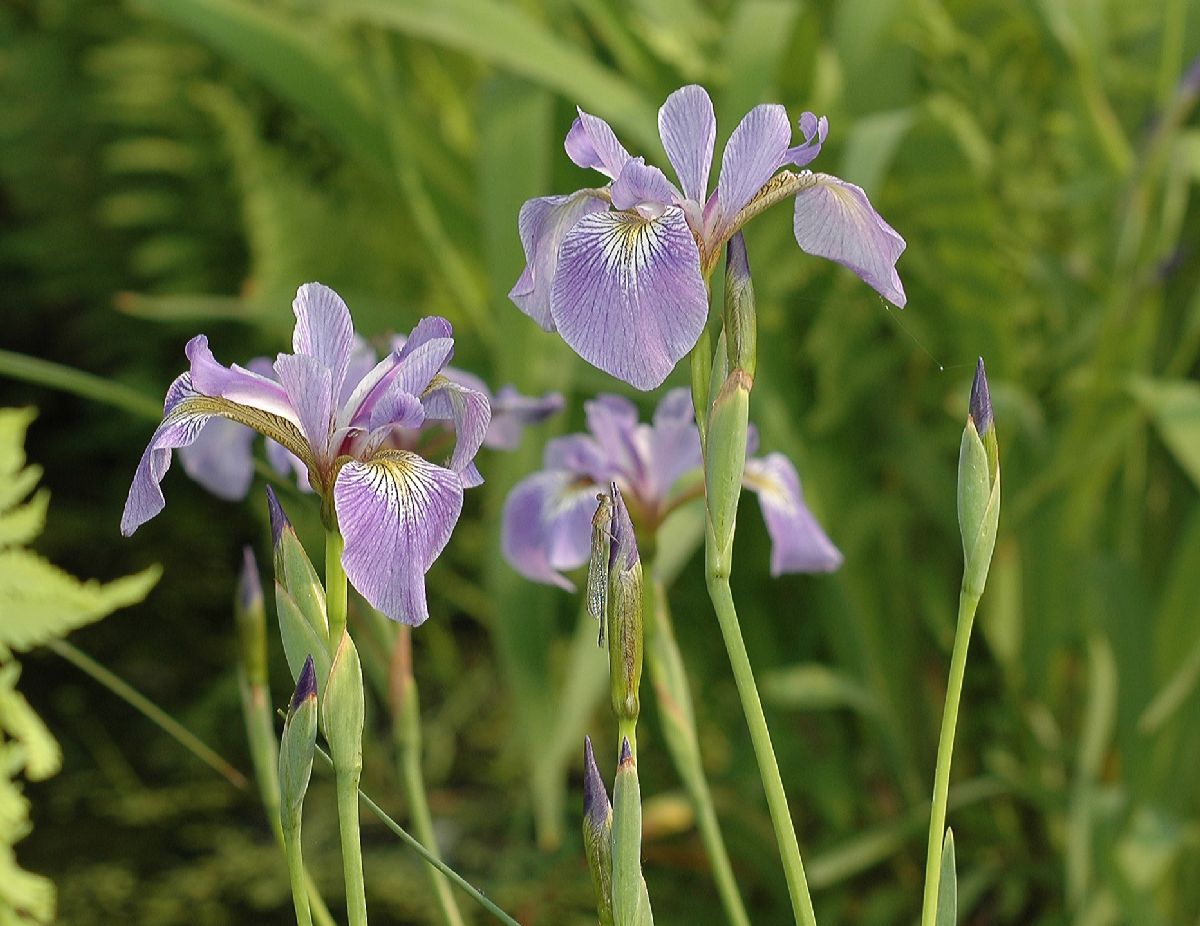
x=296 y=748
x=978 y=486
x=294 y=571
x=741 y=326
x=597 y=833
x=251 y=620
x=625 y=627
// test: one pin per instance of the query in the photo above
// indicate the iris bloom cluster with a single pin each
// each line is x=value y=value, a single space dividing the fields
x=356 y=430
x=548 y=516
x=620 y=271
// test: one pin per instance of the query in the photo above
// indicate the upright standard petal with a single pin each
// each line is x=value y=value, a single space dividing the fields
x=835 y=220
x=542 y=224
x=180 y=426
x=688 y=128
x=309 y=385
x=410 y=368
x=592 y=143
x=814 y=131
x=674 y=443
x=396 y=514
x=546 y=526
x=628 y=296
x=753 y=153
x=798 y=544
x=471 y=413
x=323 y=330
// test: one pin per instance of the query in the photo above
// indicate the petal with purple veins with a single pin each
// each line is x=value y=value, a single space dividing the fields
x=674 y=442
x=471 y=413
x=591 y=143
x=410 y=368
x=835 y=220
x=753 y=153
x=798 y=544
x=547 y=526
x=236 y=383
x=323 y=330
x=309 y=385
x=542 y=224
x=396 y=514
x=688 y=129
x=628 y=296
x=643 y=188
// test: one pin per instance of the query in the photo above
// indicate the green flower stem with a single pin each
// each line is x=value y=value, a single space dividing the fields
x=335 y=587
x=433 y=860
x=669 y=677
x=760 y=736
x=627 y=730
x=297 y=876
x=406 y=726
x=941 y=779
x=346 y=782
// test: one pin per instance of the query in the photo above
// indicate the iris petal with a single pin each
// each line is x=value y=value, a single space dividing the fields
x=628 y=296
x=592 y=143
x=236 y=383
x=835 y=220
x=753 y=153
x=220 y=459
x=546 y=525
x=688 y=128
x=798 y=544
x=470 y=411
x=323 y=330
x=396 y=514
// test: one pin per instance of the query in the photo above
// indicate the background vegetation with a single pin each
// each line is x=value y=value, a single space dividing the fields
x=173 y=166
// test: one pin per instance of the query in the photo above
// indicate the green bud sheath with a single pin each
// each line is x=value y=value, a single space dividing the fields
x=342 y=710
x=295 y=572
x=299 y=639
x=296 y=748
x=597 y=834
x=741 y=326
x=701 y=368
x=724 y=463
x=978 y=487
x=631 y=904
x=625 y=641
x=251 y=619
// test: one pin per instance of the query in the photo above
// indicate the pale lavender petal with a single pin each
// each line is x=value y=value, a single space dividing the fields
x=362 y=361
x=287 y=464
x=410 y=368
x=613 y=421
x=471 y=412
x=814 y=131
x=646 y=189
x=581 y=455
x=309 y=385
x=753 y=153
x=236 y=383
x=542 y=224
x=592 y=143
x=396 y=514
x=512 y=411
x=674 y=442
x=547 y=526
x=834 y=219
x=323 y=330
x=688 y=129
x=178 y=429
x=397 y=408
x=623 y=551
x=430 y=328
x=798 y=544
x=628 y=296
x=220 y=459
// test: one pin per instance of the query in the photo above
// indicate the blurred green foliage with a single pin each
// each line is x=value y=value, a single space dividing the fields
x=169 y=166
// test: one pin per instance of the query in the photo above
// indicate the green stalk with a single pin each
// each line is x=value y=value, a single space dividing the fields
x=941 y=780
x=760 y=736
x=679 y=733
x=406 y=713
x=346 y=783
x=297 y=876
x=335 y=587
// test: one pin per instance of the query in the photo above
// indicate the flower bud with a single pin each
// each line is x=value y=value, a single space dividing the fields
x=296 y=747
x=631 y=903
x=597 y=834
x=724 y=463
x=343 y=709
x=300 y=640
x=294 y=571
x=978 y=487
x=251 y=620
x=741 y=327
x=625 y=628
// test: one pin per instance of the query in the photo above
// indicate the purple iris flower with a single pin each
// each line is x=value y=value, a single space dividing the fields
x=221 y=457
x=547 y=523
x=620 y=271
x=356 y=435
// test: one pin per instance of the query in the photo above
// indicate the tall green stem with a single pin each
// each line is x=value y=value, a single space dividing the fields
x=941 y=779
x=407 y=733
x=335 y=587
x=297 y=876
x=352 y=867
x=760 y=736
x=679 y=733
